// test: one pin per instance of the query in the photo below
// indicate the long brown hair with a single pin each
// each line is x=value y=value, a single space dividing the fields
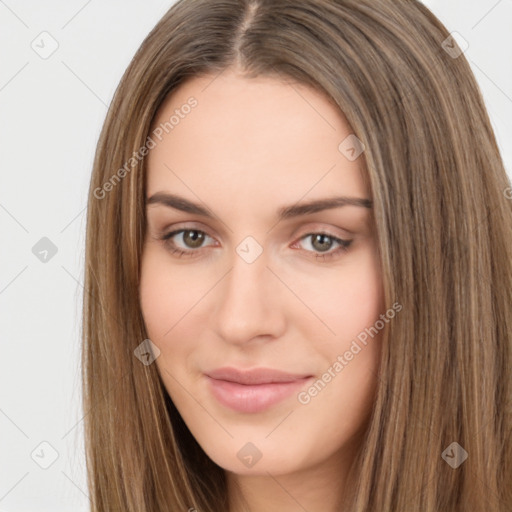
x=444 y=227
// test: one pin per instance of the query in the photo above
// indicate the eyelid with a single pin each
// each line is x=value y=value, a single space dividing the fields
x=342 y=243
x=323 y=227
x=312 y=229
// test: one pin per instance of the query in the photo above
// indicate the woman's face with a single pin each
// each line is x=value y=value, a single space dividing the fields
x=266 y=325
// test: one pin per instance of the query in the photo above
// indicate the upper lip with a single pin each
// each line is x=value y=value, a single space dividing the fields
x=254 y=375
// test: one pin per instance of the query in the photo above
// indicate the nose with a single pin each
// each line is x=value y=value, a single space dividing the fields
x=250 y=303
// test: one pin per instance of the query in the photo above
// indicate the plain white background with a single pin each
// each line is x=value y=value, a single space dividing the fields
x=51 y=112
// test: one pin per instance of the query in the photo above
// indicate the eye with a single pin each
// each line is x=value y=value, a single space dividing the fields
x=192 y=241
x=323 y=242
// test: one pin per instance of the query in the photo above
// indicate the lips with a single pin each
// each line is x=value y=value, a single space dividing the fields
x=255 y=390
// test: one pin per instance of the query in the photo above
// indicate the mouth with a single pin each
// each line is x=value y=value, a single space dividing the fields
x=255 y=390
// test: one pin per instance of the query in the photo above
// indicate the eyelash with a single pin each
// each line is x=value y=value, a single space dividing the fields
x=343 y=244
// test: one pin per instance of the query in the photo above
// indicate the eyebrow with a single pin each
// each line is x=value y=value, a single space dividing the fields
x=286 y=212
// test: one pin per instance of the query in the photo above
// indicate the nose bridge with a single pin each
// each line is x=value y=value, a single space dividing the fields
x=247 y=305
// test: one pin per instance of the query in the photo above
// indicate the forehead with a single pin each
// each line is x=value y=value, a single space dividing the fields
x=252 y=141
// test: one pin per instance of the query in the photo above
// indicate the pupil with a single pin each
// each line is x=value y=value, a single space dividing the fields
x=196 y=238
x=323 y=244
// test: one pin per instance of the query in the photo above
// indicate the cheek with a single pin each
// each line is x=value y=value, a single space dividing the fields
x=166 y=294
x=165 y=298
x=348 y=299
x=351 y=305
x=157 y=304
x=172 y=300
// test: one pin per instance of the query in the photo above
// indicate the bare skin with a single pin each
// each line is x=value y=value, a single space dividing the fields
x=249 y=148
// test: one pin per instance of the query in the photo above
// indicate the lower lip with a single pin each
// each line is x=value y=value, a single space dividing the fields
x=253 y=398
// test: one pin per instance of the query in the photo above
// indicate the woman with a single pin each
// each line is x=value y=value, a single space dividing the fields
x=298 y=268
